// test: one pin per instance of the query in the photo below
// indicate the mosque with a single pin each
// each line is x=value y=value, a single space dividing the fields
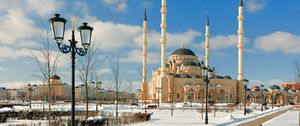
x=179 y=79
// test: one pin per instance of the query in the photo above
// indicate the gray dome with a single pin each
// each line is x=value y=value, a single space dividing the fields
x=273 y=87
x=183 y=51
x=189 y=63
x=55 y=77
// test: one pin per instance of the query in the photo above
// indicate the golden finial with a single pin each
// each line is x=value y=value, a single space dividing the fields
x=73 y=22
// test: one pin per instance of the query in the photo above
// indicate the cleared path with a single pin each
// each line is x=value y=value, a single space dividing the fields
x=290 y=118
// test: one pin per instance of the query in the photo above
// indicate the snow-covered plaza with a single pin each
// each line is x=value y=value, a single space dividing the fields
x=182 y=116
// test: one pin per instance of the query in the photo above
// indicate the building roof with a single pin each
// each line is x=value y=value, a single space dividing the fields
x=183 y=51
x=273 y=87
x=55 y=77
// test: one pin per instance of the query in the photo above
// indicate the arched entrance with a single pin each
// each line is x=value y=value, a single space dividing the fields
x=279 y=99
x=222 y=96
x=250 y=98
x=190 y=95
x=201 y=95
x=295 y=99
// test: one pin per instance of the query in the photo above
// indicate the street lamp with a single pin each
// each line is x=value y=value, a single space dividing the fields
x=172 y=65
x=30 y=93
x=58 y=29
x=207 y=73
x=245 y=87
x=158 y=91
x=98 y=94
x=262 y=96
x=272 y=98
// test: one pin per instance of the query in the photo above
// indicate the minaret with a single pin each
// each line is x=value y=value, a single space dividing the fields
x=207 y=35
x=240 y=41
x=144 y=81
x=163 y=39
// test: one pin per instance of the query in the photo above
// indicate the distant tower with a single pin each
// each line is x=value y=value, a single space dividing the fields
x=144 y=87
x=207 y=35
x=163 y=41
x=240 y=41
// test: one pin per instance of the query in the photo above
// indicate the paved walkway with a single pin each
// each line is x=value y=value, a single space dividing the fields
x=290 y=118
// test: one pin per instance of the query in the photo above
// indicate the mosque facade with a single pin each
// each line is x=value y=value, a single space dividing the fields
x=179 y=77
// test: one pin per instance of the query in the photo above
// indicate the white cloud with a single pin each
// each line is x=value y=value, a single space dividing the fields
x=81 y=7
x=135 y=56
x=39 y=7
x=19 y=84
x=222 y=41
x=173 y=39
x=43 y=7
x=104 y=71
x=118 y=5
x=278 y=42
x=11 y=53
x=7 y=53
x=114 y=36
x=255 y=5
x=16 y=26
x=266 y=83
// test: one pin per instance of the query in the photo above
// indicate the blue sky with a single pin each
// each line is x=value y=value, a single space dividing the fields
x=271 y=33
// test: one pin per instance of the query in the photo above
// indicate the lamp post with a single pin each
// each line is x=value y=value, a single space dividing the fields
x=272 y=98
x=158 y=91
x=172 y=66
x=245 y=87
x=98 y=94
x=262 y=97
x=58 y=29
x=207 y=74
x=30 y=93
x=29 y=89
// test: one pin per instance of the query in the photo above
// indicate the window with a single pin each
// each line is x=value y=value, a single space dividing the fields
x=178 y=95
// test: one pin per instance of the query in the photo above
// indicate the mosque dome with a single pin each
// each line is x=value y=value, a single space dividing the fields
x=55 y=77
x=183 y=51
x=274 y=87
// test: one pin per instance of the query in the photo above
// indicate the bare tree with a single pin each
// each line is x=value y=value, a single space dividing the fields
x=46 y=61
x=296 y=70
x=115 y=69
x=88 y=66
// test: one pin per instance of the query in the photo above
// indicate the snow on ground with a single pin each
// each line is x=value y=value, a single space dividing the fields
x=184 y=114
x=290 y=118
x=25 y=122
x=192 y=117
x=250 y=117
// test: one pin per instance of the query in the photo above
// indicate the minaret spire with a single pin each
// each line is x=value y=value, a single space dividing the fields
x=207 y=35
x=240 y=40
x=144 y=87
x=207 y=20
x=145 y=16
x=241 y=3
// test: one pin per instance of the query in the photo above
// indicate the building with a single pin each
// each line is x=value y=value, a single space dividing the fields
x=180 y=79
x=185 y=82
x=291 y=86
x=273 y=94
x=56 y=87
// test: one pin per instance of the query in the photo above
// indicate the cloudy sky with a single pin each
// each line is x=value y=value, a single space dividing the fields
x=271 y=32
